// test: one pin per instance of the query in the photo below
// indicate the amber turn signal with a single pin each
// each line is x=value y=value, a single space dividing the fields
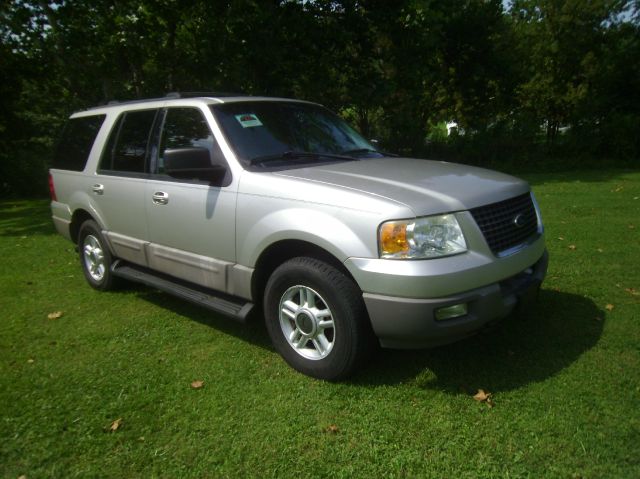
x=393 y=238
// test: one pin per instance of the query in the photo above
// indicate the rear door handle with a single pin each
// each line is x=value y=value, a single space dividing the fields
x=98 y=189
x=160 y=198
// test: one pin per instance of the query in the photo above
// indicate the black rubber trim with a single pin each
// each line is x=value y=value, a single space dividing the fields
x=234 y=308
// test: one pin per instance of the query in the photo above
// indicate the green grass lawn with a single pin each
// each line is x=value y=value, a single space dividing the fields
x=565 y=379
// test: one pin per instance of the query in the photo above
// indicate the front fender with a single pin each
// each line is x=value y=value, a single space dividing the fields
x=326 y=229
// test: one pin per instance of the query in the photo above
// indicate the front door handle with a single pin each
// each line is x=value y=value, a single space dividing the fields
x=98 y=189
x=160 y=198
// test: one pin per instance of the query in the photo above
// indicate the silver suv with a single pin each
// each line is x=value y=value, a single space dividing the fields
x=231 y=202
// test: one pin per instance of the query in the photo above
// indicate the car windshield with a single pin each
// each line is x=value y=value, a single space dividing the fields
x=263 y=131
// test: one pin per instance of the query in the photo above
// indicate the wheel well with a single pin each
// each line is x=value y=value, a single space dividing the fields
x=79 y=217
x=282 y=251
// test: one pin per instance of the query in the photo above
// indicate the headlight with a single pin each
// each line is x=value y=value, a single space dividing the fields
x=428 y=237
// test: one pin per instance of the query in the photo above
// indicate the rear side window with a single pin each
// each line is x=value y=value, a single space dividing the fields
x=126 y=149
x=76 y=142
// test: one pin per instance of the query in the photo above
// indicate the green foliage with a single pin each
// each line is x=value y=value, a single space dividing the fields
x=566 y=67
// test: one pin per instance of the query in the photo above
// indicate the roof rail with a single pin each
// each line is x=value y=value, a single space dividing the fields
x=194 y=94
x=169 y=96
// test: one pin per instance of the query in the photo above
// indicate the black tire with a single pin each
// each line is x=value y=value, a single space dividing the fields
x=330 y=352
x=95 y=257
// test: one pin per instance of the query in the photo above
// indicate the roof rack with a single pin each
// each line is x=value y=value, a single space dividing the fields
x=170 y=96
x=194 y=94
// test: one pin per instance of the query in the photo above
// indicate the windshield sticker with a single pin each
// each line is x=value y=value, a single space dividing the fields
x=248 y=120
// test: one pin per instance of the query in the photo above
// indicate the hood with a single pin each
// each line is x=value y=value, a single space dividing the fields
x=427 y=187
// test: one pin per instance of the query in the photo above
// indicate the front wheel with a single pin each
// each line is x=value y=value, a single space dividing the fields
x=316 y=319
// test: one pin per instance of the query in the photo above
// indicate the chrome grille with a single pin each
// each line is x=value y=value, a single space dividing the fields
x=508 y=223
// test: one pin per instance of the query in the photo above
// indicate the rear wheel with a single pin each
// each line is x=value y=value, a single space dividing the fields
x=316 y=319
x=95 y=257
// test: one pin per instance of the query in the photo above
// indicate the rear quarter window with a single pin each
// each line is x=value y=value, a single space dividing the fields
x=76 y=142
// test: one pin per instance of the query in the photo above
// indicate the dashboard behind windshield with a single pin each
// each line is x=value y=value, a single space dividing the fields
x=257 y=129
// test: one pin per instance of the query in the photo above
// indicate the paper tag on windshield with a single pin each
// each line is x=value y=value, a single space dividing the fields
x=248 y=120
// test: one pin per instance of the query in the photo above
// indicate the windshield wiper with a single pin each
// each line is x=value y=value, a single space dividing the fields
x=296 y=155
x=356 y=151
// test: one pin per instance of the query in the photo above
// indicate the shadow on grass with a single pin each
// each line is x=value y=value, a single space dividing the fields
x=253 y=331
x=25 y=217
x=518 y=351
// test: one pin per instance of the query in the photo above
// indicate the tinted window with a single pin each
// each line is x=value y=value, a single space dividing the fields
x=258 y=129
x=128 y=143
x=187 y=128
x=76 y=142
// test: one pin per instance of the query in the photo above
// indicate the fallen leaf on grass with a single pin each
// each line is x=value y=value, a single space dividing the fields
x=55 y=315
x=30 y=361
x=481 y=395
x=600 y=250
x=197 y=384
x=632 y=291
x=115 y=425
x=609 y=307
x=332 y=429
x=632 y=227
x=22 y=477
x=484 y=396
x=560 y=238
x=572 y=247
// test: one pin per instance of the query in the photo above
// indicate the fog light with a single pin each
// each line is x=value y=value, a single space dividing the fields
x=451 y=312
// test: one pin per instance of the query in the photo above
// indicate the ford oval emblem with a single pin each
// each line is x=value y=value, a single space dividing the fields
x=519 y=220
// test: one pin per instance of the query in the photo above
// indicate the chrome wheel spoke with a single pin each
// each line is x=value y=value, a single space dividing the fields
x=325 y=324
x=305 y=325
x=322 y=339
x=301 y=342
x=290 y=309
x=295 y=335
x=94 y=260
x=322 y=344
x=311 y=299
x=307 y=298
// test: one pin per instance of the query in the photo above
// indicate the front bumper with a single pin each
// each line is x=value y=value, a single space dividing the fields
x=410 y=323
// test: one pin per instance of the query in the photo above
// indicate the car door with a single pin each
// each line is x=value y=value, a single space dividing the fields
x=119 y=184
x=191 y=222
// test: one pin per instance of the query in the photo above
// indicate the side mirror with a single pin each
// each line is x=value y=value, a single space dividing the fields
x=192 y=164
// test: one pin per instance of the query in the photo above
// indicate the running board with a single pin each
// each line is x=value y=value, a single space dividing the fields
x=234 y=308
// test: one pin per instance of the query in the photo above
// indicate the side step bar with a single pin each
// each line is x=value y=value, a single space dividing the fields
x=234 y=308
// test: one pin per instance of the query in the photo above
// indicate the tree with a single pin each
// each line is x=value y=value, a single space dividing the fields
x=560 y=43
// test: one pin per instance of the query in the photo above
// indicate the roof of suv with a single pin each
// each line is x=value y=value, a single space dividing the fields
x=182 y=99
